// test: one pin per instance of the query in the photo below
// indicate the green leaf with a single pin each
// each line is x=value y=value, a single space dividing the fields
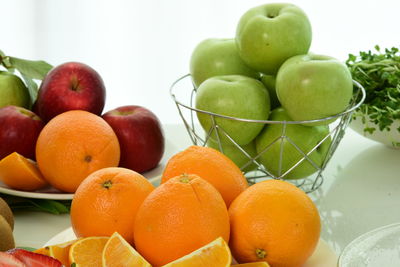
x=32 y=87
x=31 y=69
x=5 y=61
x=61 y=208
x=43 y=205
x=27 y=248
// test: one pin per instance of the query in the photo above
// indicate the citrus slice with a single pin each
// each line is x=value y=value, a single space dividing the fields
x=253 y=264
x=61 y=251
x=58 y=251
x=87 y=251
x=216 y=253
x=44 y=251
x=118 y=252
x=20 y=173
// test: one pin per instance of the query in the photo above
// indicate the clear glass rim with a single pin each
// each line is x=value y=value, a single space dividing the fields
x=363 y=236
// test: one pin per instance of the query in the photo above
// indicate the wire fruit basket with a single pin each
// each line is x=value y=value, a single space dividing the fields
x=183 y=92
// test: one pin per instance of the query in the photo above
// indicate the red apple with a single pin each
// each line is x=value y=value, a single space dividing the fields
x=140 y=137
x=19 y=130
x=70 y=86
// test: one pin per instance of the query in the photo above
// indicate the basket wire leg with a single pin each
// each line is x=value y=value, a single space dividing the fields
x=187 y=126
x=338 y=133
x=192 y=96
x=283 y=137
x=217 y=132
x=209 y=133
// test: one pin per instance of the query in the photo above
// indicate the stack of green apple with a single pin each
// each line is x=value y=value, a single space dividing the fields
x=266 y=73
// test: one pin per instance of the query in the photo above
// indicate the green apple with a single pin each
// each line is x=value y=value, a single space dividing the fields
x=305 y=138
x=269 y=82
x=313 y=87
x=13 y=91
x=269 y=34
x=237 y=153
x=236 y=96
x=215 y=57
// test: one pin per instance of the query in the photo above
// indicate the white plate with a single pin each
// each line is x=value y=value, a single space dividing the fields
x=54 y=194
x=44 y=193
x=323 y=256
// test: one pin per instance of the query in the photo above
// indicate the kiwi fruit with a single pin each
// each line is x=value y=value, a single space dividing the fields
x=6 y=212
x=7 y=239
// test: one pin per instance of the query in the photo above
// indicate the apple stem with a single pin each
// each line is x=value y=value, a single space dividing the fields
x=75 y=83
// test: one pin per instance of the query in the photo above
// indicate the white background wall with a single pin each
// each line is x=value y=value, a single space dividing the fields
x=141 y=47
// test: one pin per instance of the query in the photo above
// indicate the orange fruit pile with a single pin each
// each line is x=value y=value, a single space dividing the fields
x=272 y=222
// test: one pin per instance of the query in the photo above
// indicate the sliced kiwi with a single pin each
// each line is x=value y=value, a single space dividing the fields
x=6 y=212
x=6 y=234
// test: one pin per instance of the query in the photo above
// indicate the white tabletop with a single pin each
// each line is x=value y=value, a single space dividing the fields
x=361 y=191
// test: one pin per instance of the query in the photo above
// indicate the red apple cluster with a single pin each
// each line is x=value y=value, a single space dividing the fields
x=72 y=86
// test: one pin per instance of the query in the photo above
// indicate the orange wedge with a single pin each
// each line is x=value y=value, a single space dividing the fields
x=253 y=264
x=58 y=251
x=21 y=173
x=216 y=253
x=61 y=252
x=87 y=252
x=43 y=251
x=118 y=252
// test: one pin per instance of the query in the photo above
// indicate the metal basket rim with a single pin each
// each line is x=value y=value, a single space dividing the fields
x=347 y=111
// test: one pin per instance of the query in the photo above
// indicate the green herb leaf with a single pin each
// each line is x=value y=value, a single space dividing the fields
x=379 y=73
x=31 y=69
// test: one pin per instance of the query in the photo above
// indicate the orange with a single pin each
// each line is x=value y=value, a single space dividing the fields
x=87 y=252
x=276 y=222
x=119 y=253
x=43 y=251
x=212 y=166
x=179 y=217
x=21 y=173
x=58 y=251
x=216 y=253
x=74 y=144
x=253 y=264
x=107 y=201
